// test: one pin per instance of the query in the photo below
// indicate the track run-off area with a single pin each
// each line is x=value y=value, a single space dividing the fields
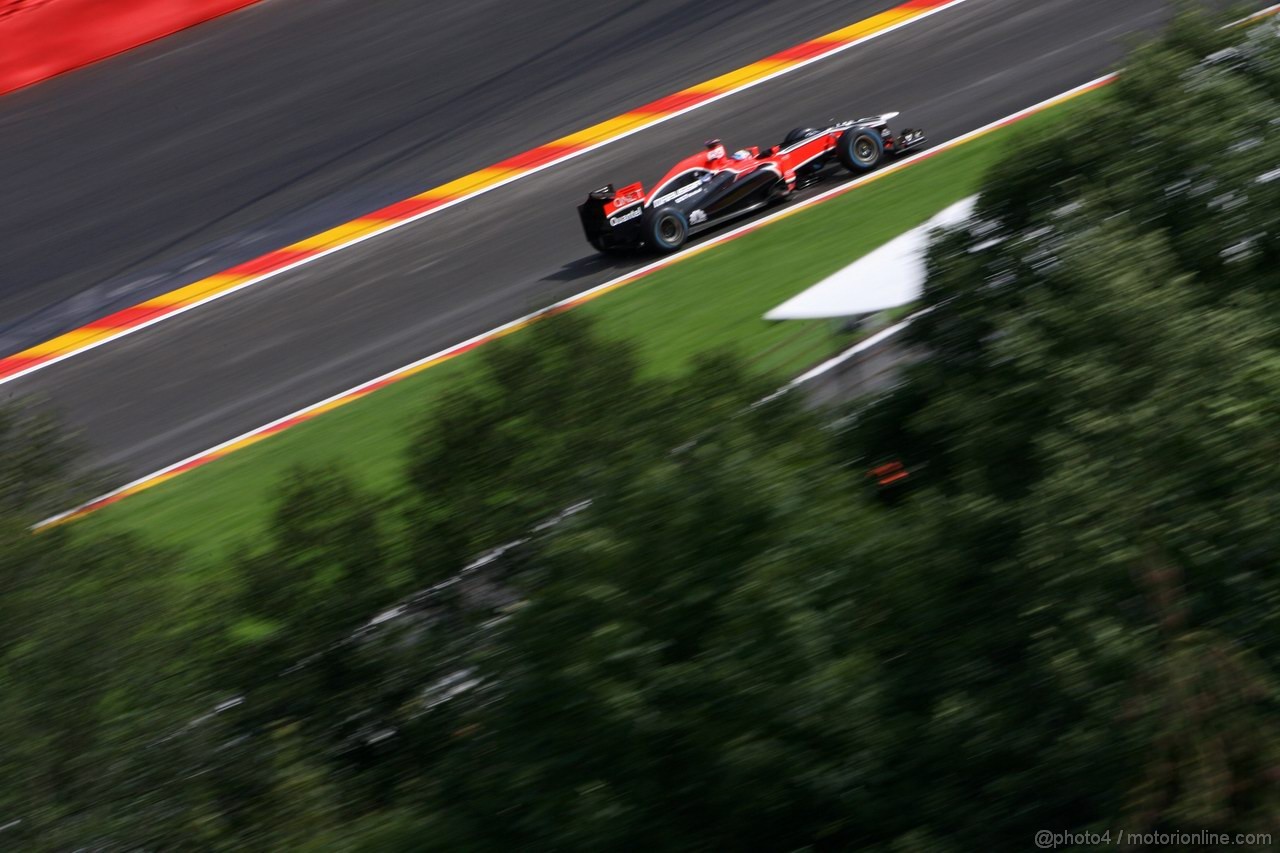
x=364 y=389
x=367 y=303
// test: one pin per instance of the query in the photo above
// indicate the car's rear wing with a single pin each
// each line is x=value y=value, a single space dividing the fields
x=611 y=217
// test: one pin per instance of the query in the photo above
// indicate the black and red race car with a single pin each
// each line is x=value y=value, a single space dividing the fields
x=710 y=187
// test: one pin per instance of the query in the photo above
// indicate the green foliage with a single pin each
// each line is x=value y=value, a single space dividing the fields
x=36 y=458
x=558 y=416
x=322 y=573
x=557 y=411
x=681 y=679
x=1102 y=388
x=91 y=679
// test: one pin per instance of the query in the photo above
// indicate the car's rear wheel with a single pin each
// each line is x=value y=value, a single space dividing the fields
x=667 y=229
x=860 y=149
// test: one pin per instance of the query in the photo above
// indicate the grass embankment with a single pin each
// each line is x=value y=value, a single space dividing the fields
x=710 y=301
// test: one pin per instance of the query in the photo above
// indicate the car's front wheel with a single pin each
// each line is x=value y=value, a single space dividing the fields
x=667 y=230
x=860 y=149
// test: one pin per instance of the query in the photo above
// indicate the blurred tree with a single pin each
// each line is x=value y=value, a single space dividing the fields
x=98 y=659
x=680 y=678
x=320 y=575
x=36 y=464
x=550 y=413
x=1102 y=387
x=87 y=669
x=554 y=416
x=1210 y=705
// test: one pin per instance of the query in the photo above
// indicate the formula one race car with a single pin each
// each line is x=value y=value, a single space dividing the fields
x=711 y=187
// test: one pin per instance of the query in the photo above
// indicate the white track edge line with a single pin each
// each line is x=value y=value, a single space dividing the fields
x=614 y=282
x=841 y=357
x=475 y=193
x=860 y=347
x=822 y=368
x=1258 y=15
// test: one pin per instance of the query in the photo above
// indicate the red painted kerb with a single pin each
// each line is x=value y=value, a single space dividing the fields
x=42 y=38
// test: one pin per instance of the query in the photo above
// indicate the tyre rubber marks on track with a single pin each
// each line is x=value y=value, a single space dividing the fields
x=363 y=390
x=366 y=388
x=252 y=272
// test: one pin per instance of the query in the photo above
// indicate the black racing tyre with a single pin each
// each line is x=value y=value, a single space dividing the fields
x=860 y=149
x=797 y=134
x=667 y=229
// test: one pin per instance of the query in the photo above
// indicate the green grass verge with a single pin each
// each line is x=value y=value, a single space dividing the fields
x=712 y=301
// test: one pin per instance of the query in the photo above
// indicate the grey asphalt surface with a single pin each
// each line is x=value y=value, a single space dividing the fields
x=157 y=396
x=188 y=155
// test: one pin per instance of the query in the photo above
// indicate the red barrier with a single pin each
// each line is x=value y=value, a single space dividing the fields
x=41 y=38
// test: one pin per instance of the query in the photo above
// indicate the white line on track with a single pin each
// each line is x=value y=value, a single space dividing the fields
x=585 y=295
x=502 y=183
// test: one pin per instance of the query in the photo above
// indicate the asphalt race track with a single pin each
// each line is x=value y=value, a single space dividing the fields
x=213 y=146
x=159 y=395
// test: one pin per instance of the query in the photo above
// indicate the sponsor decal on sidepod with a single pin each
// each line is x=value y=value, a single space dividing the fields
x=679 y=194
